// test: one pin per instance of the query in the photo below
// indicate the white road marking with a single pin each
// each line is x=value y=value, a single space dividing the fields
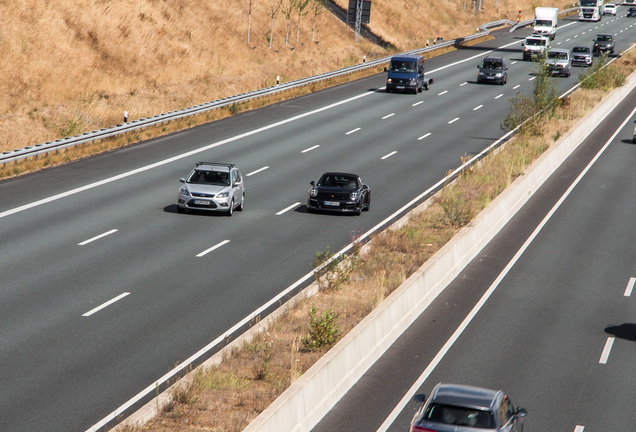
x=293 y=206
x=353 y=131
x=516 y=87
x=630 y=287
x=567 y=39
x=207 y=251
x=497 y=97
x=389 y=155
x=97 y=237
x=257 y=171
x=558 y=43
x=417 y=103
x=387 y=116
x=531 y=78
x=513 y=62
x=477 y=107
x=444 y=92
x=108 y=303
x=576 y=36
x=453 y=120
x=310 y=149
x=424 y=136
x=579 y=428
x=463 y=84
x=606 y=350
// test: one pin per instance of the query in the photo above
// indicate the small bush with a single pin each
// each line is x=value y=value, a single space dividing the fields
x=322 y=331
x=330 y=272
x=601 y=75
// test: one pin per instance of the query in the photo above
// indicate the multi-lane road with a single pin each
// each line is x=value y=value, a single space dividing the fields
x=105 y=287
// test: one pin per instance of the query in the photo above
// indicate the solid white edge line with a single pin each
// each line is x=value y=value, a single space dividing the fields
x=108 y=303
x=97 y=237
x=311 y=148
x=606 y=350
x=207 y=251
x=453 y=120
x=579 y=428
x=353 y=131
x=420 y=381
x=389 y=155
x=477 y=107
x=257 y=171
x=630 y=287
x=288 y=208
x=424 y=136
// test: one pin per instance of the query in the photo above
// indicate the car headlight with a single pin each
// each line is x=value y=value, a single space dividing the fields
x=313 y=192
x=184 y=191
x=388 y=80
x=223 y=195
x=412 y=81
x=354 y=196
x=499 y=74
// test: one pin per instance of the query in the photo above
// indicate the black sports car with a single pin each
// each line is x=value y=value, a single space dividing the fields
x=342 y=192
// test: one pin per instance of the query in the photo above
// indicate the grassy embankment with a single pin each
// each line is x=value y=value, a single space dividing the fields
x=76 y=66
x=228 y=397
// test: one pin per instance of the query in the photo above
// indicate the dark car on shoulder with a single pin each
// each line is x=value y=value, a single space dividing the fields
x=339 y=192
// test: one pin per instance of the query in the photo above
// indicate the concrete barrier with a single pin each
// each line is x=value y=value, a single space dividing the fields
x=308 y=399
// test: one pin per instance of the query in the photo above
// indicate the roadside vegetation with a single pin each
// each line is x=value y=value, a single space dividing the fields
x=228 y=396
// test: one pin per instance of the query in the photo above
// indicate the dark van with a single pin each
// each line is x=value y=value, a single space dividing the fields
x=406 y=73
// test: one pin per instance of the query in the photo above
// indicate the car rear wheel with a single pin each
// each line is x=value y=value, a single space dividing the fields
x=368 y=206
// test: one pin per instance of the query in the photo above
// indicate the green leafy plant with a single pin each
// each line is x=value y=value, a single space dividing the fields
x=322 y=330
x=331 y=272
x=601 y=75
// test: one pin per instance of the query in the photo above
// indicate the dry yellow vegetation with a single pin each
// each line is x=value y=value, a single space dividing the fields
x=71 y=66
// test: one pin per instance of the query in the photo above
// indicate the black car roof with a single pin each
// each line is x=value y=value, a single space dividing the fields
x=340 y=174
x=463 y=395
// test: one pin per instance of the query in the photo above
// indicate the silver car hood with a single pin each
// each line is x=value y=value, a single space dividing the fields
x=206 y=189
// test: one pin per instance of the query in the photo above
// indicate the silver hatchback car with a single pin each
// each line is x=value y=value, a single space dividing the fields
x=462 y=408
x=212 y=186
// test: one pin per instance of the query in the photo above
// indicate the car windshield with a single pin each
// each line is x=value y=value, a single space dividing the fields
x=492 y=64
x=603 y=38
x=535 y=42
x=216 y=178
x=609 y=6
x=589 y=2
x=546 y=23
x=632 y=10
x=338 y=180
x=460 y=416
x=558 y=55
x=402 y=66
x=584 y=50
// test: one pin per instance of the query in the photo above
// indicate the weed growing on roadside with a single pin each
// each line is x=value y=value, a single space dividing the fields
x=332 y=272
x=322 y=330
x=601 y=75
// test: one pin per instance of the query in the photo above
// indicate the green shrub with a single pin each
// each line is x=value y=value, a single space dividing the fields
x=322 y=330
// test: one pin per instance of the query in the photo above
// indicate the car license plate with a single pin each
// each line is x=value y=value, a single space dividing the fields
x=332 y=203
x=201 y=202
x=490 y=77
x=399 y=87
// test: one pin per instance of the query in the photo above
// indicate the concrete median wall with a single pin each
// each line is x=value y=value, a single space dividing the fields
x=308 y=399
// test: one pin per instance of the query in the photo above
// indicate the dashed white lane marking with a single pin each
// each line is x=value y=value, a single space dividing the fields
x=108 y=303
x=387 y=116
x=453 y=120
x=606 y=350
x=257 y=171
x=497 y=97
x=576 y=36
x=531 y=78
x=424 y=136
x=417 y=103
x=477 y=107
x=293 y=206
x=463 y=84
x=389 y=155
x=579 y=428
x=513 y=62
x=516 y=87
x=444 y=92
x=97 y=237
x=207 y=251
x=310 y=149
x=630 y=287
x=353 y=131
x=558 y=43
x=567 y=39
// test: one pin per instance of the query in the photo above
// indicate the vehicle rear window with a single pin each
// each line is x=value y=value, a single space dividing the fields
x=402 y=66
x=460 y=416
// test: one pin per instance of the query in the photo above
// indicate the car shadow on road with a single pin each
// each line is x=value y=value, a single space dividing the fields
x=303 y=209
x=172 y=208
x=627 y=141
x=625 y=331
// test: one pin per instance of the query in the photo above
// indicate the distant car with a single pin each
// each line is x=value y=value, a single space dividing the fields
x=212 y=186
x=581 y=56
x=603 y=42
x=559 y=62
x=493 y=69
x=631 y=12
x=462 y=408
x=341 y=192
x=609 y=9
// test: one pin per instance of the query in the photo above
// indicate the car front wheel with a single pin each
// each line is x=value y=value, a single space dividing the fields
x=231 y=209
x=242 y=206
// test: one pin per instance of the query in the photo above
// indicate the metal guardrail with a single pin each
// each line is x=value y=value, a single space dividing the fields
x=87 y=137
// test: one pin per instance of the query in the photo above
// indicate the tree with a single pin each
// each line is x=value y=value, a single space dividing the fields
x=317 y=7
x=301 y=5
x=250 y=9
x=272 y=11
x=288 y=9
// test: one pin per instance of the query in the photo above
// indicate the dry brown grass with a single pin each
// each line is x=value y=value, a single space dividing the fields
x=72 y=66
x=229 y=396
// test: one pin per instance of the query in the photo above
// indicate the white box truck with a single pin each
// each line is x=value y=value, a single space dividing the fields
x=545 y=21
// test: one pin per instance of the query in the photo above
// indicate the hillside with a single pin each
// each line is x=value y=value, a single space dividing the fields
x=76 y=65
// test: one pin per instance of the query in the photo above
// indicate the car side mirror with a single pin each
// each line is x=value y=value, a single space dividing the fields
x=313 y=183
x=182 y=180
x=522 y=412
x=419 y=398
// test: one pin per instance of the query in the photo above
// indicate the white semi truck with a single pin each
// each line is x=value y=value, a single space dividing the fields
x=590 y=10
x=545 y=21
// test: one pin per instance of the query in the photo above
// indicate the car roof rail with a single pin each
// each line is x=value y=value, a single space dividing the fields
x=214 y=163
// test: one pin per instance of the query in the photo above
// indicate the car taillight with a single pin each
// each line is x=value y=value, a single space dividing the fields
x=420 y=429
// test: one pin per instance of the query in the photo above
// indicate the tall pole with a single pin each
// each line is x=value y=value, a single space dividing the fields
x=358 y=19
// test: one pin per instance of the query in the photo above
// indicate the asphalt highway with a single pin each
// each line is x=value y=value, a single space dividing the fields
x=557 y=332
x=105 y=287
